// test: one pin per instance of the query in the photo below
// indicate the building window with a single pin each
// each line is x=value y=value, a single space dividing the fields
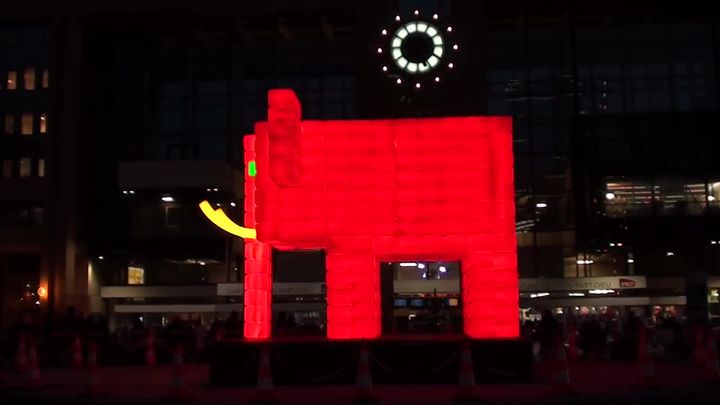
x=43 y=123
x=9 y=124
x=7 y=168
x=29 y=79
x=45 y=78
x=172 y=216
x=26 y=216
x=136 y=275
x=41 y=167
x=38 y=215
x=25 y=165
x=12 y=80
x=27 y=124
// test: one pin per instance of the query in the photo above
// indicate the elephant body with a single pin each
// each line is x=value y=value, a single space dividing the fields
x=367 y=191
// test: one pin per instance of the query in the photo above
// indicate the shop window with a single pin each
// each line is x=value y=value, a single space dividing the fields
x=7 y=168
x=629 y=198
x=412 y=292
x=11 y=80
x=29 y=79
x=714 y=296
x=418 y=271
x=26 y=124
x=136 y=275
x=45 y=78
x=25 y=167
x=713 y=190
x=680 y=197
x=659 y=196
x=41 y=168
x=43 y=123
x=9 y=124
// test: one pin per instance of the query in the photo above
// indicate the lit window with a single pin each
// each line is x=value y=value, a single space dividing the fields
x=41 y=167
x=136 y=275
x=7 y=168
x=43 y=123
x=29 y=79
x=9 y=124
x=25 y=167
x=27 y=124
x=45 y=78
x=12 y=80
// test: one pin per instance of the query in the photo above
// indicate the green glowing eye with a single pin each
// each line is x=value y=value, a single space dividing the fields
x=252 y=169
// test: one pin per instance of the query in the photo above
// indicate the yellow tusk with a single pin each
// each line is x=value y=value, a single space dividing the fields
x=218 y=217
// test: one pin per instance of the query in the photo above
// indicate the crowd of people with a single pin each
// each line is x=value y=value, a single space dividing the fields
x=126 y=341
x=597 y=336
x=607 y=337
x=72 y=322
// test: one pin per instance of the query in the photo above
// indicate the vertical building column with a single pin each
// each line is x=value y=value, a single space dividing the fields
x=65 y=275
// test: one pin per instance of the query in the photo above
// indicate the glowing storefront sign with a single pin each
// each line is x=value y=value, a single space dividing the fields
x=582 y=283
x=406 y=190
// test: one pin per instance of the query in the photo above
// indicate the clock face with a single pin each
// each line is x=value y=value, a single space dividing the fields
x=417 y=47
x=417 y=53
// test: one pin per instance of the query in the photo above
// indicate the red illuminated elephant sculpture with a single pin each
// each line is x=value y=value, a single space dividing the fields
x=382 y=190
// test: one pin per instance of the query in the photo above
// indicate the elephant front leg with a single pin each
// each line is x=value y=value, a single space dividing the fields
x=258 y=290
x=353 y=296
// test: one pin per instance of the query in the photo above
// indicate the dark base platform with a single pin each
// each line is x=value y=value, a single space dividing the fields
x=393 y=360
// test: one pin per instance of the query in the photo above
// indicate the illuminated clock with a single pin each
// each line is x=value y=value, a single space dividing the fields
x=418 y=52
x=417 y=47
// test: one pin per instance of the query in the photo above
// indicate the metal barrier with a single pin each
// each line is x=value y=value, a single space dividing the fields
x=57 y=349
x=423 y=360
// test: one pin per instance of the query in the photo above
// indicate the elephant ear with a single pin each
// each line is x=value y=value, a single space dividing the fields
x=284 y=127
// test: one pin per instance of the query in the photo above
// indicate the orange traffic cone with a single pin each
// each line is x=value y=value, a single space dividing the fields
x=699 y=354
x=21 y=361
x=712 y=368
x=363 y=379
x=150 y=359
x=645 y=359
x=466 y=383
x=560 y=370
x=32 y=374
x=572 y=353
x=264 y=393
x=178 y=388
x=92 y=384
x=77 y=356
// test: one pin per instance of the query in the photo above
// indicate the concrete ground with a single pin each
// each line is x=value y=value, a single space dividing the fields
x=591 y=382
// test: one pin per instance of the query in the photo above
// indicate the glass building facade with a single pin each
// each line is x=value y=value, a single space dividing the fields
x=614 y=113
